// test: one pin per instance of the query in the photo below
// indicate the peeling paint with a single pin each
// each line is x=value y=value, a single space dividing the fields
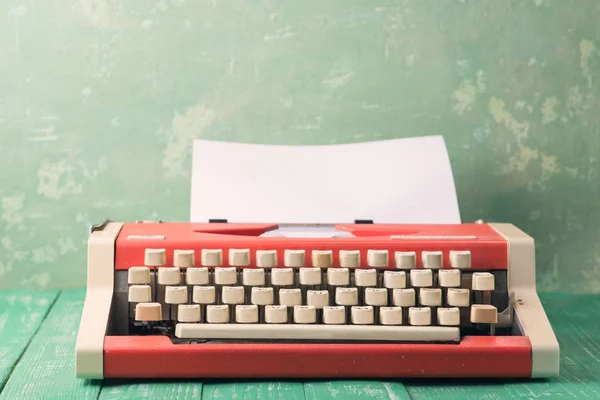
x=587 y=49
x=11 y=209
x=518 y=160
x=282 y=33
x=339 y=80
x=548 y=110
x=56 y=179
x=577 y=103
x=465 y=96
x=184 y=129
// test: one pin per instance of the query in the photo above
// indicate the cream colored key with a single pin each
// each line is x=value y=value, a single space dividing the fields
x=140 y=294
x=203 y=294
x=310 y=276
x=430 y=297
x=405 y=259
x=233 y=295
x=317 y=298
x=338 y=276
x=421 y=278
x=460 y=259
x=183 y=258
x=246 y=314
x=458 y=297
x=376 y=296
x=349 y=258
x=262 y=296
x=322 y=258
x=484 y=314
x=294 y=258
x=432 y=259
x=138 y=276
x=176 y=294
x=148 y=312
x=169 y=276
x=211 y=257
x=449 y=278
x=334 y=315
x=390 y=315
x=266 y=258
x=483 y=281
x=377 y=258
x=239 y=257
x=188 y=313
x=253 y=277
x=346 y=296
x=448 y=316
x=290 y=297
x=276 y=314
x=361 y=315
x=217 y=314
x=282 y=276
x=365 y=277
x=196 y=276
x=305 y=314
x=225 y=276
x=394 y=279
x=419 y=316
x=155 y=257
x=403 y=297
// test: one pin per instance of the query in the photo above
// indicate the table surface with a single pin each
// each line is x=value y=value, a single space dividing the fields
x=38 y=332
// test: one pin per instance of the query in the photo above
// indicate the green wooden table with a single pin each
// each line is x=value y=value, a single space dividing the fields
x=38 y=331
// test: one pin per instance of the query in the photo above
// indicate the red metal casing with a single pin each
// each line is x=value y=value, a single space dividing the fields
x=158 y=357
x=474 y=357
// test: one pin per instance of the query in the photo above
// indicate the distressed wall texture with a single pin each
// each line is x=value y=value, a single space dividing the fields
x=100 y=101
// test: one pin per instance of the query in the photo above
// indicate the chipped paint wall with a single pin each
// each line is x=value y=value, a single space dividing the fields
x=99 y=103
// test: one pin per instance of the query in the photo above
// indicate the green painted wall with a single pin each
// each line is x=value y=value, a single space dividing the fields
x=100 y=101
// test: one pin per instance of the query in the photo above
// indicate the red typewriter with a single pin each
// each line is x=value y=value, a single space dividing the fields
x=362 y=300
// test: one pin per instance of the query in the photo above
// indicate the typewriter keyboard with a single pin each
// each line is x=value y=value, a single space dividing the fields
x=310 y=298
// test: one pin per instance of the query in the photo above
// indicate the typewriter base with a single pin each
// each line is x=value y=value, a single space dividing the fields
x=474 y=357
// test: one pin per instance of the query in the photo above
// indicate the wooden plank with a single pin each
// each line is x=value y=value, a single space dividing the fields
x=47 y=368
x=576 y=322
x=468 y=389
x=246 y=390
x=21 y=314
x=150 y=389
x=359 y=390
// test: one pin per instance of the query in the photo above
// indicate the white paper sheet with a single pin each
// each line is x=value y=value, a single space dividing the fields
x=392 y=181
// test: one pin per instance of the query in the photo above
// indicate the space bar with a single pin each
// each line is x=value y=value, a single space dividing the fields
x=317 y=332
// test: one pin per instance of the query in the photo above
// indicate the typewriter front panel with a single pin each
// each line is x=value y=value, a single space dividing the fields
x=473 y=357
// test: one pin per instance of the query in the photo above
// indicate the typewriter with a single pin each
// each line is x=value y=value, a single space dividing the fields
x=361 y=300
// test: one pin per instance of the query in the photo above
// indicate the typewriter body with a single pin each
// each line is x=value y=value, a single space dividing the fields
x=363 y=300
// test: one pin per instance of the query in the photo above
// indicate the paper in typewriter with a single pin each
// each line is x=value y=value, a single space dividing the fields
x=405 y=180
